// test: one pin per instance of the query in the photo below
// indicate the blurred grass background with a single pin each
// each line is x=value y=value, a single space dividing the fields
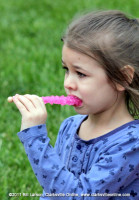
x=30 y=62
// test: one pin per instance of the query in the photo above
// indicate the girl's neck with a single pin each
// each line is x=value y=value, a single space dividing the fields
x=99 y=124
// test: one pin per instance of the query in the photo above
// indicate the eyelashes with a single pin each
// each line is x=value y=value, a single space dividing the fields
x=80 y=74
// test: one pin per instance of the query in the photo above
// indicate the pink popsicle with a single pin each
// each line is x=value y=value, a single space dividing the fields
x=69 y=100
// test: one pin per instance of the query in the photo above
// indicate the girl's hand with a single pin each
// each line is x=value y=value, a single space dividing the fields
x=32 y=109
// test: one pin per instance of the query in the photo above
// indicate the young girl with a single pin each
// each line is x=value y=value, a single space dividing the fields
x=96 y=152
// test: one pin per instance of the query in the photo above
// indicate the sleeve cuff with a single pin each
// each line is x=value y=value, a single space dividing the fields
x=34 y=131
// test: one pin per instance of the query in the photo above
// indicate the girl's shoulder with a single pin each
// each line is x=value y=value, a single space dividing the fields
x=131 y=127
x=75 y=118
x=125 y=135
x=72 y=122
x=134 y=124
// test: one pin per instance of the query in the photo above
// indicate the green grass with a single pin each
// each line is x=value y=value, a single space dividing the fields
x=30 y=62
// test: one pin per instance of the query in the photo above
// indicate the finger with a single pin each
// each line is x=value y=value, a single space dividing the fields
x=36 y=100
x=20 y=106
x=10 y=99
x=42 y=102
x=26 y=102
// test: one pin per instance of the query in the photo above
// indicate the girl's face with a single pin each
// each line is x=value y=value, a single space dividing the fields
x=86 y=79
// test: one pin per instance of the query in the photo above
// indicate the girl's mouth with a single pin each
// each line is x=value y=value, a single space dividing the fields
x=78 y=103
x=79 y=106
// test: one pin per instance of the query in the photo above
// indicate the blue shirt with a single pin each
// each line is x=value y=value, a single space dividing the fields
x=106 y=167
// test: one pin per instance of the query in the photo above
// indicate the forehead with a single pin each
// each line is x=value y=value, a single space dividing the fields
x=69 y=53
x=73 y=57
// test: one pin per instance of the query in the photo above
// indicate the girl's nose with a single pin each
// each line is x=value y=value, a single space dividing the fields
x=70 y=83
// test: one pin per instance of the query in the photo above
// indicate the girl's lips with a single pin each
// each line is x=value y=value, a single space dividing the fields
x=79 y=105
x=79 y=100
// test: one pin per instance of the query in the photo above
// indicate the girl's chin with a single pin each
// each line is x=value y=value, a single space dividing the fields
x=80 y=110
x=83 y=110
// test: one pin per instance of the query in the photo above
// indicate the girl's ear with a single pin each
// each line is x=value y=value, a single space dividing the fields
x=128 y=72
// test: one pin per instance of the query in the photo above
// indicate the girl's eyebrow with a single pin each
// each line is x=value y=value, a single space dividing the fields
x=77 y=67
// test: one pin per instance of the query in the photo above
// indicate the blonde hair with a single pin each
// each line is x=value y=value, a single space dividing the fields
x=112 y=39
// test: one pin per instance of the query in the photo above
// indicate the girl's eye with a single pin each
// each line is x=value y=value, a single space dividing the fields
x=81 y=75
